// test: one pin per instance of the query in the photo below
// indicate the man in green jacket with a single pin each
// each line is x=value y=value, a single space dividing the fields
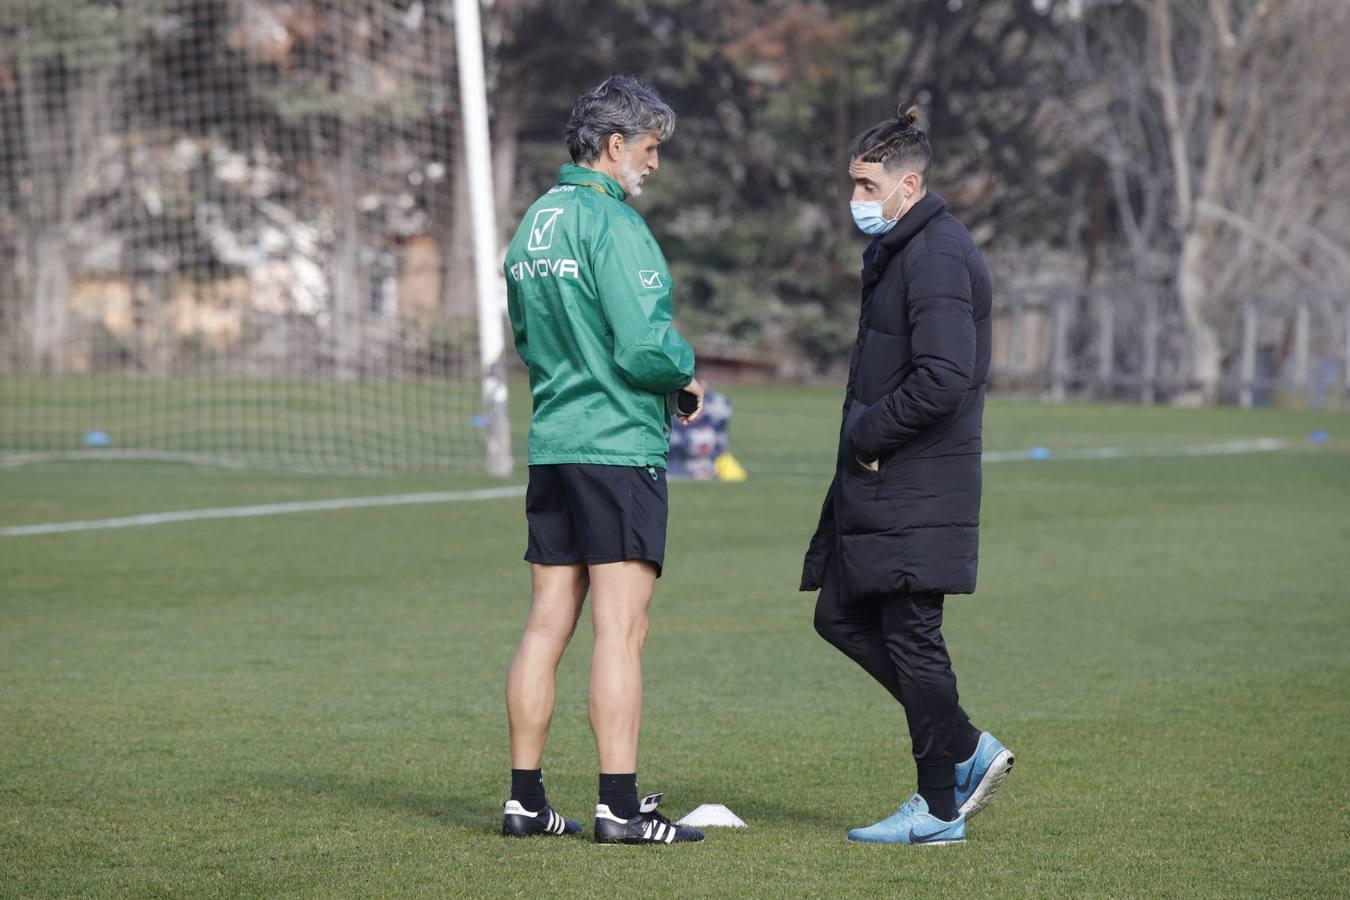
x=589 y=295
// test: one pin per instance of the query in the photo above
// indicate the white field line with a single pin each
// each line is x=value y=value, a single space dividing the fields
x=1225 y=448
x=1259 y=445
x=270 y=509
x=110 y=455
x=285 y=464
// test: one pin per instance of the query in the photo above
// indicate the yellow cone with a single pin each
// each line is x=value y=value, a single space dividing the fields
x=728 y=469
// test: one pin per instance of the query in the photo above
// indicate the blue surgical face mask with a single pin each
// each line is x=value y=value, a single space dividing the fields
x=868 y=217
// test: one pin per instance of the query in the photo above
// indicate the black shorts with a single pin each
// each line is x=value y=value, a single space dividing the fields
x=596 y=514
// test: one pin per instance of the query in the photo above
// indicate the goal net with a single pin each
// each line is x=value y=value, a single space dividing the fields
x=235 y=232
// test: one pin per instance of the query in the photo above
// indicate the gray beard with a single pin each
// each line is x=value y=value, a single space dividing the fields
x=631 y=181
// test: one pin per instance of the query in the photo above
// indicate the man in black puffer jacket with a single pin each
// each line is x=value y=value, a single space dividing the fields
x=900 y=525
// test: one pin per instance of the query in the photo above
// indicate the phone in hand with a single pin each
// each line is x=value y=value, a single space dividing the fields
x=682 y=403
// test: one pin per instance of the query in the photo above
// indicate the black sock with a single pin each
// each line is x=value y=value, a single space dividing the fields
x=966 y=741
x=937 y=786
x=619 y=793
x=527 y=788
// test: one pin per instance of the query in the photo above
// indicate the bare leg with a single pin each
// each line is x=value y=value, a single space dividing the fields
x=555 y=606
x=620 y=595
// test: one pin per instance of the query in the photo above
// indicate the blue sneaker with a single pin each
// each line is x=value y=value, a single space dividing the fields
x=978 y=777
x=913 y=825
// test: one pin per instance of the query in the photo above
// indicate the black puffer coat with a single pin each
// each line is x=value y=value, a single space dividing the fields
x=914 y=402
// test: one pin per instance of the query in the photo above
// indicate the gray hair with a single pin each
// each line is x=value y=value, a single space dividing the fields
x=618 y=105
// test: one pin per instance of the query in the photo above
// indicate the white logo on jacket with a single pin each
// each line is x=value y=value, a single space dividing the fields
x=542 y=268
x=650 y=278
x=541 y=229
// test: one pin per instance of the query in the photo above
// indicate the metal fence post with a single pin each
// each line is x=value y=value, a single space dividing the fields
x=1247 y=375
x=1301 y=340
x=1347 y=349
x=1106 y=341
x=1150 y=373
x=1058 y=347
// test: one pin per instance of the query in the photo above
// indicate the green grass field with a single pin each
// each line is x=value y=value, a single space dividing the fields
x=311 y=704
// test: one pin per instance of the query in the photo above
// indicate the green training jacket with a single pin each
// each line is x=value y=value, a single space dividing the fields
x=589 y=295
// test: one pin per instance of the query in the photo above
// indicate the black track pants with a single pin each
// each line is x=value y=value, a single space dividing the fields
x=898 y=641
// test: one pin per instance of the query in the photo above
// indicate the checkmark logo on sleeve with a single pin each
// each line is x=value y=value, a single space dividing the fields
x=542 y=228
x=650 y=278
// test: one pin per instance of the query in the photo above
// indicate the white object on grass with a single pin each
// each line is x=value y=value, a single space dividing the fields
x=712 y=815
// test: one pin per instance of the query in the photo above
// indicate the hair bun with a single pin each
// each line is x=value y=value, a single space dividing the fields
x=908 y=115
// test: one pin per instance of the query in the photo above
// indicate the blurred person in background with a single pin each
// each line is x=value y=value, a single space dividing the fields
x=590 y=300
x=703 y=452
x=899 y=528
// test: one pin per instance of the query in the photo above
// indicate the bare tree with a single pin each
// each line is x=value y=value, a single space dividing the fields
x=1225 y=129
x=63 y=70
